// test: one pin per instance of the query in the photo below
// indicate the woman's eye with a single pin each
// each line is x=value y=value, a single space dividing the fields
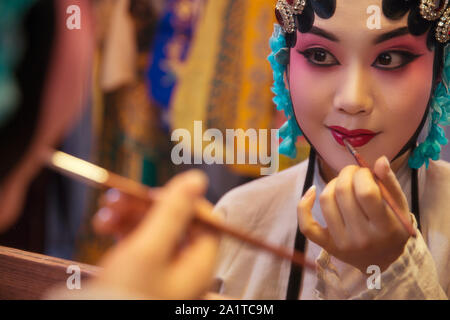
x=394 y=59
x=320 y=57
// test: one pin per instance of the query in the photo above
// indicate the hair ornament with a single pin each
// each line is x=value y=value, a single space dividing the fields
x=443 y=27
x=432 y=9
x=285 y=10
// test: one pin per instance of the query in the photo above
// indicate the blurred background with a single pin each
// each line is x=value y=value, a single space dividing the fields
x=157 y=66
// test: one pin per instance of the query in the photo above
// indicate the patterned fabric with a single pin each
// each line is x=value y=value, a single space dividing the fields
x=170 y=47
x=226 y=79
x=130 y=140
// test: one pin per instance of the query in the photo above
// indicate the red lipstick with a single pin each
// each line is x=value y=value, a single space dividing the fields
x=356 y=138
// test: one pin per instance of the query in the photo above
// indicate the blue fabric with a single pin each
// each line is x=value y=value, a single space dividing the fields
x=171 y=30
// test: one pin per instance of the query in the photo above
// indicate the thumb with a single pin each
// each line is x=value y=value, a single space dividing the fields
x=308 y=226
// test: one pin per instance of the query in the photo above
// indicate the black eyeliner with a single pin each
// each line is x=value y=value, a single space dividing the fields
x=408 y=56
x=309 y=50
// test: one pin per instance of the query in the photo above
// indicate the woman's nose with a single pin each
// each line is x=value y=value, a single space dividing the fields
x=353 y=96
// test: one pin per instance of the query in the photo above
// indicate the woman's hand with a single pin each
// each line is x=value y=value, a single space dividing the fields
x=362 y=229
x=119 y=213
x=166 y=256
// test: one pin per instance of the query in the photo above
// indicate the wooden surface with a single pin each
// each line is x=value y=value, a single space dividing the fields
x=27 y=275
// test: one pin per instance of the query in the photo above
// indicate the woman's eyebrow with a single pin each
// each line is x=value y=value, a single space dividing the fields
x=391 y=34
x=324 y=34
x=380 y=38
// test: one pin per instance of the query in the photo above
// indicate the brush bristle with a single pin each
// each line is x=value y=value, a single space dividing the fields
x=349 y=147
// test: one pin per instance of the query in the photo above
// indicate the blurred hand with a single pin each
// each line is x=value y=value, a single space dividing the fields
x=165 y=256
x=119 y=213
x=362 y=229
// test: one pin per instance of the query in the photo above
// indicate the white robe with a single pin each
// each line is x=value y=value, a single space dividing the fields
x=266 y=208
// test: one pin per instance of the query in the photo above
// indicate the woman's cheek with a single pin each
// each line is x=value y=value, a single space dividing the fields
x=407 y=93
x=308 y=104
x=308 y=89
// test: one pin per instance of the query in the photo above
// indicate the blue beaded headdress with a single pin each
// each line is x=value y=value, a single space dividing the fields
x=11 y=47
x=279 y=59
x=439 y=115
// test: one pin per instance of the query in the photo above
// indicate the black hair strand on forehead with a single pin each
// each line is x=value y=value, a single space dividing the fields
x=392 y=9
x=396 y=9
x=324 y=8
x=416 y=24
x=305 y=21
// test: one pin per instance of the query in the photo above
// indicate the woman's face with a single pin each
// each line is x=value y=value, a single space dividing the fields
x=369 y=85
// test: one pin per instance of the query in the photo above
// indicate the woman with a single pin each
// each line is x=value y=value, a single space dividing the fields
x=46 y=80
x=374 y=86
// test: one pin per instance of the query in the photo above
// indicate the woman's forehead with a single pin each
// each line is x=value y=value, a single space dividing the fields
x=359 y=19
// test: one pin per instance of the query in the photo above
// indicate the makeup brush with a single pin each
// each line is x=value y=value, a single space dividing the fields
x=384 y=192
x=99 y=177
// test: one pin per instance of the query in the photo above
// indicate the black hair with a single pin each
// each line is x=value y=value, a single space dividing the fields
x=30 y=75
x=392 y=9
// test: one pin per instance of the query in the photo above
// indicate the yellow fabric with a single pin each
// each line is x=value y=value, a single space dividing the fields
x=226 y=79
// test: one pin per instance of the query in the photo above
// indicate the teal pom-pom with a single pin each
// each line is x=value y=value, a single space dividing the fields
x=287 y=147
x=282 y=57
x=440 y=115
x=279 y=59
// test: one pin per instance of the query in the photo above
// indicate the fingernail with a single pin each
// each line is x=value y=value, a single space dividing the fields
x=113 y=195
x=104 y=215
x=309 y=193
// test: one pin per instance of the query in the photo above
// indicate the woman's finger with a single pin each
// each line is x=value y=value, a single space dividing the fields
x=169 y=217
x=369 y=198
x=384 y=172
x=332 y=215
x=356 y=222
x=119 y=213
x=105 y=222
x=308 y=226
x=122 y=203
x=197 y=260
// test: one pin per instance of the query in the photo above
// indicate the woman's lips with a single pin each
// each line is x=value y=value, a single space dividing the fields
x=357 y=138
